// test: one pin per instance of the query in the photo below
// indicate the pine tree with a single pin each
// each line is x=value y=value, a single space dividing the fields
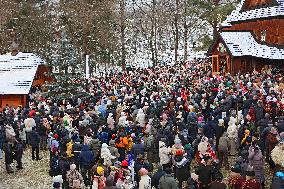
x=67 y=71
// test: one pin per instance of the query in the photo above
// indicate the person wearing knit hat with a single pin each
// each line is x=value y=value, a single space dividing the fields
x=74 y=177
x=167 y=180
x=145 y=181
x=56 y=185
x=272 y=140
x=164 y=154
x=55 y=136
x=100 y=170
x=99 y=180
x=182 y=165
x=124 y=164
x=113 y=150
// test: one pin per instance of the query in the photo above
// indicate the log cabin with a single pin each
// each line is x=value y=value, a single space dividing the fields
x=18 y=73
x=251 y=37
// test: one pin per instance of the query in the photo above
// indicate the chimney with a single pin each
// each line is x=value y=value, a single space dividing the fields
x=14 y=49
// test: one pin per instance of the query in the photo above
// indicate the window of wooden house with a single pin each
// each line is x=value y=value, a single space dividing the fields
x=222 y=48
x=263 y=35
x=215 y=63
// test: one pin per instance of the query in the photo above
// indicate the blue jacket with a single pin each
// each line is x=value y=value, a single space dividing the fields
x=2 y=137
x=35 y=139
x=209 y=129
x=86 y=156
x=138 y=149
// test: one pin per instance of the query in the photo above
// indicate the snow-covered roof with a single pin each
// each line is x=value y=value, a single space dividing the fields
x=244 y=44
x=17 y=72
x=262 y=12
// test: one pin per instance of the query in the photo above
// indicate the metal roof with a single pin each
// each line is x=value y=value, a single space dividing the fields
x=244 y=44
x=262 y=12
x=17 y=72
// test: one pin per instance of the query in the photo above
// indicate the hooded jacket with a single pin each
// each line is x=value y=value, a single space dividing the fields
x=224 y=143
x=113 y=150
x=110 y=183
x=86 y=156
x=167 y=181
x=164 y=153
x=182 y=168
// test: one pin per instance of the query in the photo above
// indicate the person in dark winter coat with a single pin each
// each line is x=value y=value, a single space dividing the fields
x=86 y=160
x=2 y=139
x=113 y=150
x=205 y=172
x=42 y=131
x=64 y=166
x=54 y=166
x=148 y=146
x=223 y=150
x=8 y=149
x=167 y=181
x=77 y=150
x=156 y=177
x=110 y=183
x=182 y=168
x=34 y=141
x=86 y=156
x=259 y=111
x=277 y=181
x=219 y=129
x=263 y=123
x=95 y=146
x=257 y=162
x=19 y=150
x=192 y=182
x=209 y=128
x=138 y=148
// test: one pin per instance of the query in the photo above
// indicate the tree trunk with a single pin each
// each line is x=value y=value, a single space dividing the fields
x=215 y=29
x=176 y=31
x=122 y=33
x=185 y=32
x=153 y=36
x=152 y=45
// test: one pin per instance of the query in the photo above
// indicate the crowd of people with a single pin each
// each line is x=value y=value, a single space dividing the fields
x=165 y=127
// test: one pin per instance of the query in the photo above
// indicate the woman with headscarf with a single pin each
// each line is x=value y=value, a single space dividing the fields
x=145 y=181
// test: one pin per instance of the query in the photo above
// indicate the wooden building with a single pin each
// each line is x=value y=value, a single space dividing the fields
x=251 y=37
x=18 y=73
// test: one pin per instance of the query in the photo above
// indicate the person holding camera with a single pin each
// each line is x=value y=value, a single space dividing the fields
x=256 y=161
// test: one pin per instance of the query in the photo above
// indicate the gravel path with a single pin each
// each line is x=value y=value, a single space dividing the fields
x=33 y=176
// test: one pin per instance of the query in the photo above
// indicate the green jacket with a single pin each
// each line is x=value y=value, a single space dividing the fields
x=168 y=182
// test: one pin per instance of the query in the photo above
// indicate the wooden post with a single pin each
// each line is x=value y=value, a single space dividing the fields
x=1 y=105
x=228 y=64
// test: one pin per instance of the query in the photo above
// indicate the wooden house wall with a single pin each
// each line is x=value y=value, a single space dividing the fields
x=252 y=4
x=274 y=29
x=41 y=77
x=12 y=100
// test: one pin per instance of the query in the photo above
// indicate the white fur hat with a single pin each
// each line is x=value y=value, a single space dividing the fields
x=104 y=145
x=161 y=144
x=221 y=122
x=194 y=176
x=57 y=178
x=72 y=167
x=202 y=147
x=177 y=141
